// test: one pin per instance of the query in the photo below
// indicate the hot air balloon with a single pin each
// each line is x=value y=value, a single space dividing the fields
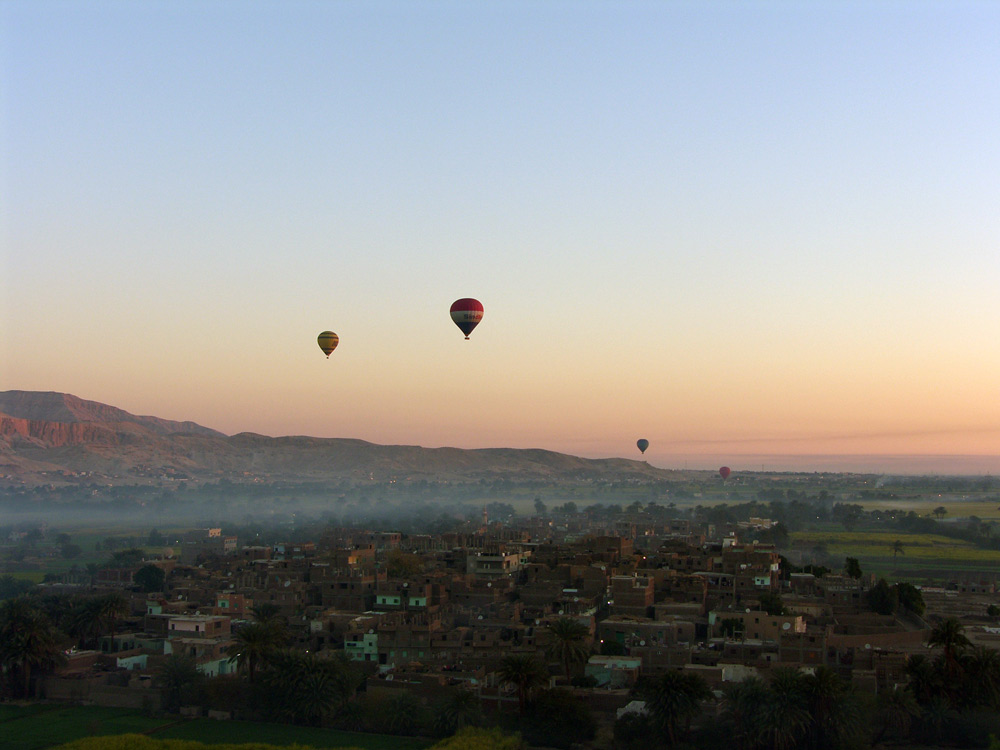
x=642 y=444
x=328 y=341
x=724 y=472
x=467 y=313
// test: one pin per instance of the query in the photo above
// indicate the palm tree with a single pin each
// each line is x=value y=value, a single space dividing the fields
x=785 y=717
x=674 y=699
x=524 y=672
x=896 y=709
x=83 y=620
x=981 y=666
x=569 y=642
x=925 y=682
x=936 y=716
x=112 y=608
x=252 y=644
x=459 y=709
x=266 y=612
x=897 y=549
x=950 y=636
x=832 y=706
x=306 y=688
x=403 y=714
x=27 y=640
x=742 y=702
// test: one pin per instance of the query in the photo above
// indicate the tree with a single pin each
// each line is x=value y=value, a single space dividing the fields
x=771 y=603
x=400 y=564
x=981 y=668
x=557 y=718
x=742 y=702
x=897 y=549
x=27 y=640
x=540 y=508
x=180 y=679
x=113 y=607
x=832 y=708
x=882 y=598
x=674 y=700
x=83 y=620
x=633 y=731
x=126 y=558
x=460 y=708
x=525 y=673
x=896 y=709
x=852 y=567
x=150 y=578
x=785 y=717
x=267 y=612
x=940 y=512
x=925 y=683
x=11 y=587
x=402 y=714
x=950 y=635
x=155 y=539
x=306 y=688
x=253 y=644
x=910 y=598
x=569 y=642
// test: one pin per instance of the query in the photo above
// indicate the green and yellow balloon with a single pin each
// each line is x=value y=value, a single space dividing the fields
x=328 y=341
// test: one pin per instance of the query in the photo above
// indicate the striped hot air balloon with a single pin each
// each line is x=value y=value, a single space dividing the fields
x=328 y=341
x=467 y=313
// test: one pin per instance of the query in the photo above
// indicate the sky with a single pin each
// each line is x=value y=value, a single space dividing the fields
x=750 y=232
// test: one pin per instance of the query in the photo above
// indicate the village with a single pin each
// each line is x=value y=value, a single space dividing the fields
x=603 y=605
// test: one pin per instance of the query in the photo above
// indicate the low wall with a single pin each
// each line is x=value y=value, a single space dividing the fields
x=96 y=692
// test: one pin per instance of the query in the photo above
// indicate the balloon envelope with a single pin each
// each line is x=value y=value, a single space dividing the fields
x=724 y=472
x=467 y=313
x=328 y=341
x=642 y=444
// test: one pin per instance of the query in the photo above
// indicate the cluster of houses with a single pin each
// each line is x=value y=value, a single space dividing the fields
x=433 y=613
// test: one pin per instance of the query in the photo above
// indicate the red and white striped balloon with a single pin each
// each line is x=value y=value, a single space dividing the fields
x=467 y=313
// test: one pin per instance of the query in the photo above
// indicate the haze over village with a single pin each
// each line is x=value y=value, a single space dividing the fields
x=499 y=376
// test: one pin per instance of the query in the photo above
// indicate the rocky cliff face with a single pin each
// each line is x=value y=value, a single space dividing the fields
x=63 y=408
x=49 y=437
x=43 y=434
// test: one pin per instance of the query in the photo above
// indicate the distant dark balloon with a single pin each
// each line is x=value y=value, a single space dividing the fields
x=725 y=472
x=642 y=444
x=328 y=341
x=467 y=313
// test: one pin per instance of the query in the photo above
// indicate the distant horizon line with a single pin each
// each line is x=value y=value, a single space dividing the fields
x=910 y=464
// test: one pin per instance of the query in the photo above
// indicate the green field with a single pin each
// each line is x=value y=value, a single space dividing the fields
x=923 y=555
x=985 y=509
x=34 y=727
x=38 y=726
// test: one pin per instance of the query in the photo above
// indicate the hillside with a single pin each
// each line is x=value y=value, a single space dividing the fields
x=50 y=437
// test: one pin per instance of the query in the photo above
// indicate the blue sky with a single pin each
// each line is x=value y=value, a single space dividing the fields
x=732 y=228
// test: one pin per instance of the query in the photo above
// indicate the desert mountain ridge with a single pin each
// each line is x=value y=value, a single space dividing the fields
x=48 y=437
